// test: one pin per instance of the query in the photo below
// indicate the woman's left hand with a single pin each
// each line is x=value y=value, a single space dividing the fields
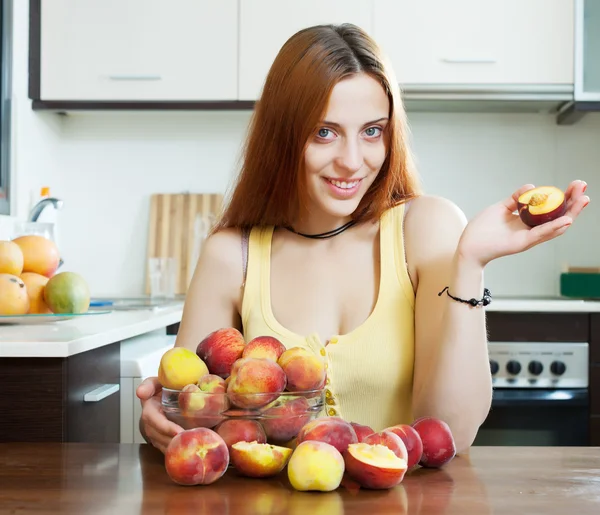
x=498 y=231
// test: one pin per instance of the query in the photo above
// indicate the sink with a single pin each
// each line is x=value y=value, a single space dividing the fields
x=133 y=303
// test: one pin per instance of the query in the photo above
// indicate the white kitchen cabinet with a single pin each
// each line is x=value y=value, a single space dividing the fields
x=527 y=42
x=138 y=50
x=587 y=50
x=265 y=25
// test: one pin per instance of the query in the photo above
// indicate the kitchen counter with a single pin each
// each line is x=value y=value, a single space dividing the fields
x=544 y=305
x=81 y=334
x=131 y=478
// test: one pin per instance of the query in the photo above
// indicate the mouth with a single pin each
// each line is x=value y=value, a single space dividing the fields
x=343 y=188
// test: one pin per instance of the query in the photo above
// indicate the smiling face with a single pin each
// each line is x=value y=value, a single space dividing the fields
x=346 y=151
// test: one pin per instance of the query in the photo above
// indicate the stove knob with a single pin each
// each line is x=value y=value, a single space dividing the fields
x=558 y=368
x=513 y=367
x=494 y=367
x=535 y=367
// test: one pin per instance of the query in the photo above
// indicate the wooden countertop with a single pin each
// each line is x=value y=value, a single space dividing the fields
x=130 y=479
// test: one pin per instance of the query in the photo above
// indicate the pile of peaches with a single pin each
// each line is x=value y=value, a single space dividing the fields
x=255 y=406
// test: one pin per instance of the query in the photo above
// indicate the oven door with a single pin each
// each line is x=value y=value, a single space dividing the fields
x=537 y=417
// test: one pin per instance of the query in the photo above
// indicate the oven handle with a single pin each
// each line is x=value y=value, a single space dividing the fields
x=539 y=397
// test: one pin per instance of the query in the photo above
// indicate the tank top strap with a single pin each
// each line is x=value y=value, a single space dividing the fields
x=258 y=244
x=393 y=253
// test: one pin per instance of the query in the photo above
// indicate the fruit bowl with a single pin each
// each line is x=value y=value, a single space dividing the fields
x=265 y=417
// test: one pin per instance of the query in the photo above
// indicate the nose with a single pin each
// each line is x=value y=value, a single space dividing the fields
x=351 y=156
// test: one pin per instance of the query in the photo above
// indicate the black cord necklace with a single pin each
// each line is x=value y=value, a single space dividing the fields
x=325 y=235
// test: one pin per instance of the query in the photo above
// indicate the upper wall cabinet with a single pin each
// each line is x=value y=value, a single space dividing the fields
x=587 y=50
x=477 y=41
x=265 y=25
x=136 y=50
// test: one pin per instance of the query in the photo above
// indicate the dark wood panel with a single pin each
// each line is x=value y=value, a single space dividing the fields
x=32 y=400
x=547 y=327
x=594 y=387
x=595 y=431
x=94 y=421
x=35 y=26
x=595 y=338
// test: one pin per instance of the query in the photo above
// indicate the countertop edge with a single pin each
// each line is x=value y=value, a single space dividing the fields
x=67 y=348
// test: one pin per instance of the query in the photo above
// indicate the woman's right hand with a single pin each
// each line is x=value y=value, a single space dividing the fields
x=157 y=429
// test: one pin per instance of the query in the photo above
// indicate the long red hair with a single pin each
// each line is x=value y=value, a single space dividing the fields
x=270 y=188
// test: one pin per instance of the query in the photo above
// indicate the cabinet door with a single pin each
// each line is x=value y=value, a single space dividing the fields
x=265 y=25
x=477 y=41
x=587 y=50
x=139 y=50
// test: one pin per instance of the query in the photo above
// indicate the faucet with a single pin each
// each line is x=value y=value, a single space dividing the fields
x=41 y=205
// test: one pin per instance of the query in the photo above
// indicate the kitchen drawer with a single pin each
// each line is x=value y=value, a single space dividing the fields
x=44 y=399
x=538 y=327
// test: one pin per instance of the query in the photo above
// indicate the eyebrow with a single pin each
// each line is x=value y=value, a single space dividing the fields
x=334 y=124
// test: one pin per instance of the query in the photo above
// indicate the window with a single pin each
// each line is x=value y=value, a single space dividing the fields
x=5 y=97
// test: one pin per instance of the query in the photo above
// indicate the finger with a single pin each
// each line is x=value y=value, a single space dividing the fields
x=511 y=202
x=160 y=441
x=577 y=207
x=575 y=188
x=549 y=230
x=153 y=418
x=148 y=387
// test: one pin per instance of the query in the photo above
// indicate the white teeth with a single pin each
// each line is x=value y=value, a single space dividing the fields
x=344 y=185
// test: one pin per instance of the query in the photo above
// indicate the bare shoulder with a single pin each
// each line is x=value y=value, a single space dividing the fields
x=433 y=224
x=224 y=247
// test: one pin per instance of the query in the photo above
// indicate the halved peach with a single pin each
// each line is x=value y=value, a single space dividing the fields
x=255 y=459
x=374 y=466
x=540 y=205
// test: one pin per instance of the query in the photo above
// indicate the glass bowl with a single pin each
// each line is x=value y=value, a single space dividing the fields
x=281 y=415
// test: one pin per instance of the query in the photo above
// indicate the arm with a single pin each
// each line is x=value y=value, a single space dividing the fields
x=214 y=295
x=452 y=379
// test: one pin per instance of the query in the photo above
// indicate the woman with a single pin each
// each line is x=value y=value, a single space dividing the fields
x=345 y=256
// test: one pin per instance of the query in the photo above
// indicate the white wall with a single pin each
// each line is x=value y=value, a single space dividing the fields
x=105 y=166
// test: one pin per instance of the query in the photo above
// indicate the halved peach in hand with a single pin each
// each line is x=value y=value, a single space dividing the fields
x=540 y=205
x=374 y=466
x=255 y=459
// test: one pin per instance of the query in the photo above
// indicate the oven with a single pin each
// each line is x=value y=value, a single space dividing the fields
x=540 y=395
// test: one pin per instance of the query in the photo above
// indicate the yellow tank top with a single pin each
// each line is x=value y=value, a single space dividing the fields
x=370 y=369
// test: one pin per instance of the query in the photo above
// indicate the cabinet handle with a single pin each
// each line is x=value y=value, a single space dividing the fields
x=101 y=392
x=135 y=77
x=469 y=60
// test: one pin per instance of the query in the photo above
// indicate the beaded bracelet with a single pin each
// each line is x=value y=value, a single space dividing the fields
x=487 y=298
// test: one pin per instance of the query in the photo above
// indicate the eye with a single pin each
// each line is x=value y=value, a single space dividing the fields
x=373 y=132
x=323 y=133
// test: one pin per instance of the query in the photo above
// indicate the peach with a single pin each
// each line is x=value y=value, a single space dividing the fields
x=254 y=459
x=179 y=367
x=303 y=369
x=203 y=404
x=40 y=254
x=361 y=430
x=392 y=441
x=13 y=295
x=196 y=457
x=11 y=258
x=264 y=347
x=412 y=442
x=374 y=466
x=540 y=205
x=332 y=430
x=315 y=466
x=241 y=430
x=220 y=349
x=438 y=442
x=284 y=418
x=255 y=382
x=35 y=284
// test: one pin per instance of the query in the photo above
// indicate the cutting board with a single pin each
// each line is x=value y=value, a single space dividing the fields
x=173 y=228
